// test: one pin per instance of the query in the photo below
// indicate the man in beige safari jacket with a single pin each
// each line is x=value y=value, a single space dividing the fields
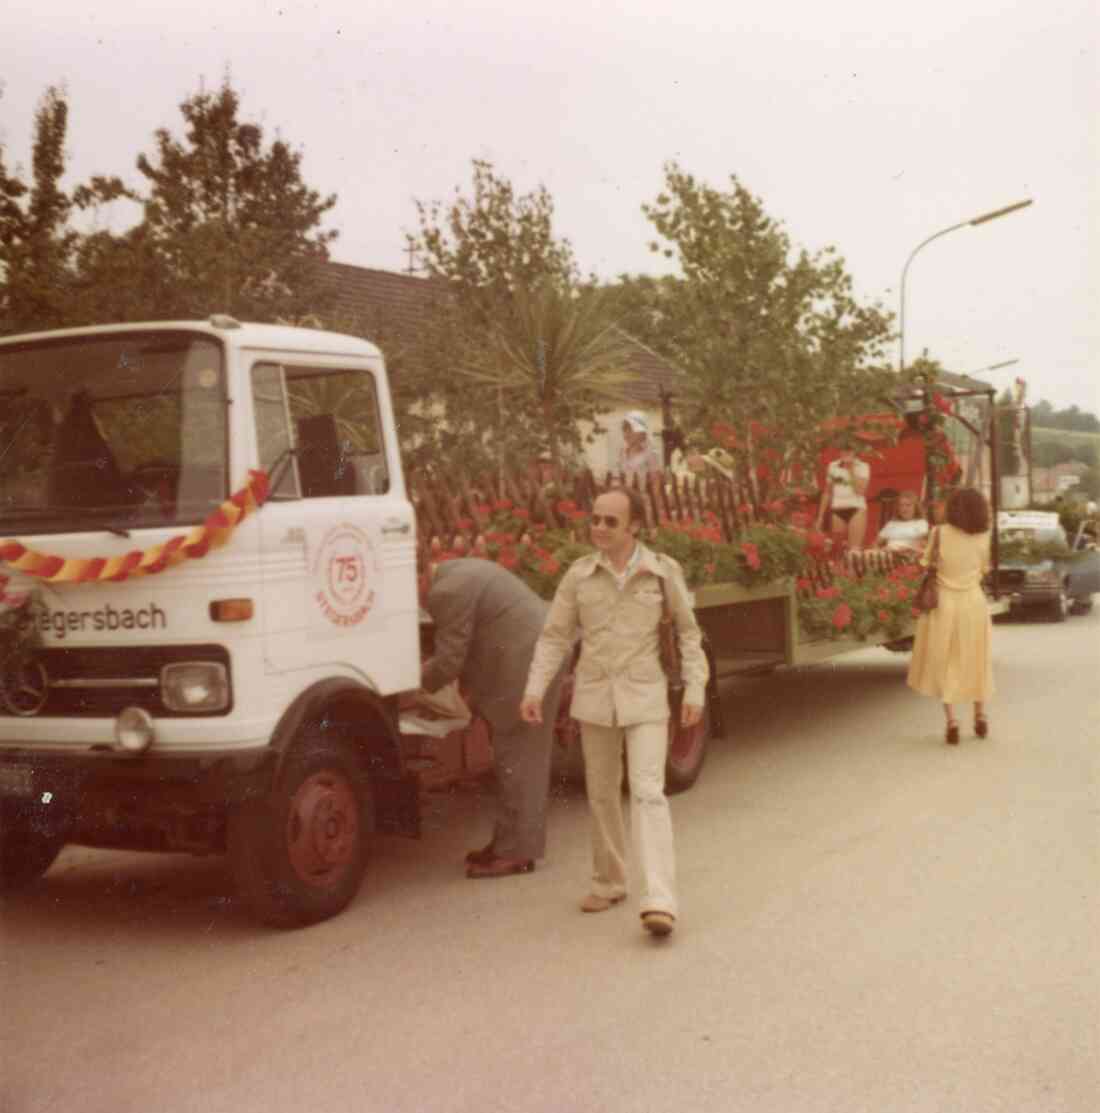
x=613 y=599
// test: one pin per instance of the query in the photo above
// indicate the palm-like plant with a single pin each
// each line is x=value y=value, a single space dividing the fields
x=557 y=350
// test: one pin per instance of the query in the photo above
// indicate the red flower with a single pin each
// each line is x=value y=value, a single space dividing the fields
x=941 y=404
x=827 y=592
x=577 y=516
x=803 y=584
x=464 y=523
x=883 y=616
x=724 y=434
x=815 y=542
x=508 y=558
x=566 y=506
x=764 y=472
x=483 y=510
x=903 y=594
x=801 y=520
x=502 y=504
x=884 y=594
x=752 y=554
x=776 y=506
x=549 y=567
x=522 y=514
x=842 y=616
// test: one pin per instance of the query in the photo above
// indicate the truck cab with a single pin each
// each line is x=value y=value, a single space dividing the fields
x=208 y=603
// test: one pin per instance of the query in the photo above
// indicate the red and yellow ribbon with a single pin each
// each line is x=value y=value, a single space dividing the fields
x=213 y=532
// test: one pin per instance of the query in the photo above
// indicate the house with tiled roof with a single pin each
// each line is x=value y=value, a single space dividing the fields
x=393 y=308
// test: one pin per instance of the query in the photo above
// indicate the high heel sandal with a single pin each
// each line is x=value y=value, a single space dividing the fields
x=981 y=726
x=952 y=736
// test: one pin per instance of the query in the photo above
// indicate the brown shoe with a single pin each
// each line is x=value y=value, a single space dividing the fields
x=595 y=903
x=485 y=854
x=952 y=735
x=981 y=726
x=658 y=923
x=500 y=867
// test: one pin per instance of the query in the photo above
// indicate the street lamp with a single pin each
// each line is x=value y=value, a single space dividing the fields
x=994 y=367
x=985 y=218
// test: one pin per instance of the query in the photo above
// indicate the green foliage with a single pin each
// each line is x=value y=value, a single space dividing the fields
x=37 y=244
x=767 y=334
x=228 y=226
x=553 y=351
x=1072 y=419
x=521 y=350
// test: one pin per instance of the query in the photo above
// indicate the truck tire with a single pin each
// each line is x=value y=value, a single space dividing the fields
x=298 y=855
x=27 y=848
x=1059 y=608
x=687 y=750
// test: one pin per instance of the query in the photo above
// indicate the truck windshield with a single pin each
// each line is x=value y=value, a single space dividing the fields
x=118 y=431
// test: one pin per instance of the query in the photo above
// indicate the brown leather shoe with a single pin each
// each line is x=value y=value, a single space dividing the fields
x=500 y=867
x=658 y=923
x=595 y=903
x=485 y=854
x=951 y=737
x=981 y=726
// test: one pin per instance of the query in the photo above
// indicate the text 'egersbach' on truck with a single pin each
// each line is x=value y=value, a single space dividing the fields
x=209 y=603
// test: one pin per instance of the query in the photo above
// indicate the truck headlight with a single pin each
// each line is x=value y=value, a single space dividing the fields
x=194 y=686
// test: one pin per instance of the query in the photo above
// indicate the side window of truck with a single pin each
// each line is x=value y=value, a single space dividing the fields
x=318 y=431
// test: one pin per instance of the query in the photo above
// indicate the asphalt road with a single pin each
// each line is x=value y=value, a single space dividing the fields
x=871 y=921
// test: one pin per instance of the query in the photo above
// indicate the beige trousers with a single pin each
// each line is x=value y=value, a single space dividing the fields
x=650 y=820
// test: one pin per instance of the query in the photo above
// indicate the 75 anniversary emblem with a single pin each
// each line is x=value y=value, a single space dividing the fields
x=345 y=573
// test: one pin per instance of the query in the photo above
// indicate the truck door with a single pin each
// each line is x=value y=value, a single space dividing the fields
x=338 y=535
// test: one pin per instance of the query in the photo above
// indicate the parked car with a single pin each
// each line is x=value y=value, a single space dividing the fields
x=1041 y=570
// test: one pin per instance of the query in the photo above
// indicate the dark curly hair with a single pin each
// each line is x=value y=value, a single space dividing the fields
x=967 y=510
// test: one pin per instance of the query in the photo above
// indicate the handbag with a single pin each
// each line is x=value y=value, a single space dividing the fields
x=928 y=594
x=668 y=642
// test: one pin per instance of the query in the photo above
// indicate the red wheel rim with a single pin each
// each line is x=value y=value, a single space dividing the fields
x=322 y=829
x=685 y=744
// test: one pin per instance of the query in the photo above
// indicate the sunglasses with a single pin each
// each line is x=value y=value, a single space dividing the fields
x=608 y=520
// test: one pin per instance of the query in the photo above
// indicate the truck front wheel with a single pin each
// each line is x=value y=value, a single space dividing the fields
x=298 y=855
x=28 y=847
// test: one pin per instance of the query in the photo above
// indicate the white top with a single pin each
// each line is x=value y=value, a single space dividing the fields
x=639 y=462
x=903 y=534
x=839 y=473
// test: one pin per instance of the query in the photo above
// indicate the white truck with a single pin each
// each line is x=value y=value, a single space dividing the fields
x=204 y=674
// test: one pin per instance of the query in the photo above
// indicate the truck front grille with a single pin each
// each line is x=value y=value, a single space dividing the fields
x=96 y=683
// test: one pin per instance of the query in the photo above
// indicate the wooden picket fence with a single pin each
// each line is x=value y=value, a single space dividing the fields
x=447 y=505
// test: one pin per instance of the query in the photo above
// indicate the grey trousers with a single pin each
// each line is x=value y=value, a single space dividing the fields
x=521 y=758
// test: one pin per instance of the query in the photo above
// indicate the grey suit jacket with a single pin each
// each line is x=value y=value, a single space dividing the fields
x=486 y=624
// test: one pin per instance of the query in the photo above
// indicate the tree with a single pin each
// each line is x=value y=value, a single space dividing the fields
x=555 y=352
x=228 y=226
x=769 y=335
x=513 y=291
x=36 y=240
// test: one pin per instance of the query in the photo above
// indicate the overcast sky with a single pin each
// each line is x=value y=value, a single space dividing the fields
x=865 y=125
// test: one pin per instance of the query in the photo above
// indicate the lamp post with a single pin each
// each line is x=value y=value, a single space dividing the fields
x=985 y=218
x=994 y=367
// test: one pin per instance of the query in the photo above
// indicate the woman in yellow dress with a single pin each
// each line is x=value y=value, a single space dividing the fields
x=951 y=652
